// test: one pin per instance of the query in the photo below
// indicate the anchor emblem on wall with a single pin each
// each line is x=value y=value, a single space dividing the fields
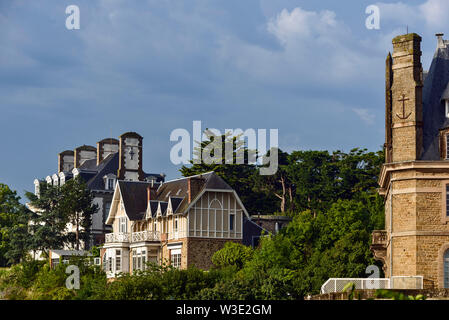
x=403 y=116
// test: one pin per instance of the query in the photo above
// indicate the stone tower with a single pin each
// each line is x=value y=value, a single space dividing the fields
x=415 y=177
x=406 y=98
x=130 y=155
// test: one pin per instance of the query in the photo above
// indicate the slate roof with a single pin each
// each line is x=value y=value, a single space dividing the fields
x=93 y=174
x=435 y=88
x=135 y=197
x=108 y=165
x=178 y=188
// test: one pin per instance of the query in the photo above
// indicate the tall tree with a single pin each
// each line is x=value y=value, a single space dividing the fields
x=77 y=203
x=12 y=217
x=238 y=173
x=278 y=184
x=48 y=222
x=63 y=216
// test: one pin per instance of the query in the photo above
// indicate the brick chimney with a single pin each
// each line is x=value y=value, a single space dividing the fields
x=194 y=185
x=106 y=147
x=151 y=191
x=66 y=161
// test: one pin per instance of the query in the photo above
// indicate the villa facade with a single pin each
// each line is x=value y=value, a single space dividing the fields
x=181 y=222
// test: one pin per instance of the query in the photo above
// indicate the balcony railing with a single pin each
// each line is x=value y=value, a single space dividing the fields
x=117 y=237
x=379 y=238
x=396 y=282
x=132 y=237
x=145 y=236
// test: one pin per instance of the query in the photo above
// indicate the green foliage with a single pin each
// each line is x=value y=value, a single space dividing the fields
x=161 y=282
x=396 y=295
x=349 y=287
x=331 y=198
x=232 y=254
x=13 y=226
x=95 y=251
x=56 y=207
x=77 y=205
x=37 y=281
x=241 y=177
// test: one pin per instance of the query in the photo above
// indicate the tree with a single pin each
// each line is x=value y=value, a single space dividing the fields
x=48 y=221
x=334 y=244
x=322 y=178
x=232 y=254
x=77 y=205
x=239 y=174
x=13 y=226
x=56 y=210
x=278 y=184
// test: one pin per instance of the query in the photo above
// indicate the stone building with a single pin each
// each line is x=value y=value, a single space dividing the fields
x=101 y=167
x=415 y=177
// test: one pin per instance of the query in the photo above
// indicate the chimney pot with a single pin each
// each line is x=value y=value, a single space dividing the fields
x=441 y=42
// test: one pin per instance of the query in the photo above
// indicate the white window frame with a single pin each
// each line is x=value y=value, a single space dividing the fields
x=123 y=225
x=139 y=258
x=175 y=258
x=118 y=260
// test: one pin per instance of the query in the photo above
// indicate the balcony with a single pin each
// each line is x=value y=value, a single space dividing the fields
x=379 y=245
x=117 y=237
x=145 y=236
x=132 y=237
x=379 y=238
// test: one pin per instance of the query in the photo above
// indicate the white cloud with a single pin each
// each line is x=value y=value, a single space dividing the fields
x=316 y=48
x=431 y=13
x=365 y=115
x=435 y=13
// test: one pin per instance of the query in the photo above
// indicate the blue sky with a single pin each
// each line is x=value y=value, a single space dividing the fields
x=310 y=69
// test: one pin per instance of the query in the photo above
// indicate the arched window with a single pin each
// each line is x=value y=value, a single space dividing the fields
x=446 y=268
x=215 y=204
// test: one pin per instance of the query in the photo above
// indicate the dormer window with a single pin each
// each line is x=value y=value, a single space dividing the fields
x=110 y=184
x=109 y=181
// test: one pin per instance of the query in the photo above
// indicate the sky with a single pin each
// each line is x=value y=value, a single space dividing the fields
x=310 y=69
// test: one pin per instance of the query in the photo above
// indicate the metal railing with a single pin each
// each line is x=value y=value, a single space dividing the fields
x=132 y=237
x=117 y=237
x=396 y=282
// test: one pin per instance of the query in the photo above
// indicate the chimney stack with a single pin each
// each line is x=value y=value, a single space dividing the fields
x=66 y=161
x=130 y=157
x=441 y=43
x=194 y=185
x=106 y=147
x=84 y=153
x=406 y=99
x=151 y=191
